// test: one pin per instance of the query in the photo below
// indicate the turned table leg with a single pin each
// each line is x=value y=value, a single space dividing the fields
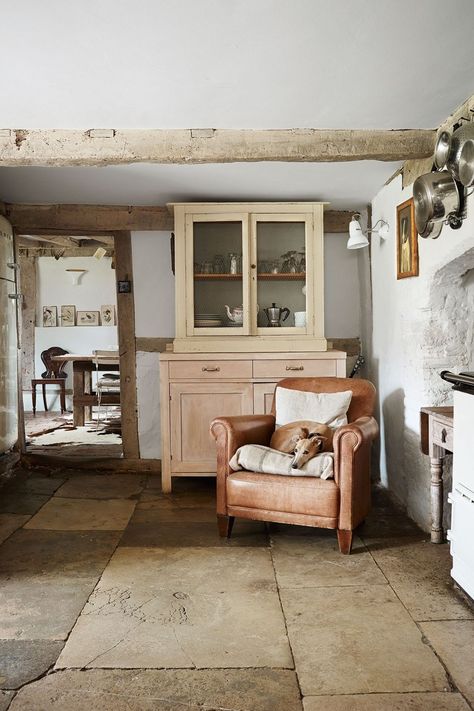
x=436 y=470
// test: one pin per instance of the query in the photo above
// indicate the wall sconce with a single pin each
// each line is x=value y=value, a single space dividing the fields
x=358 y=239
x=76 y=275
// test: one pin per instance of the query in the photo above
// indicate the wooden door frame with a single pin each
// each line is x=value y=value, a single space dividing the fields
x=126 y=341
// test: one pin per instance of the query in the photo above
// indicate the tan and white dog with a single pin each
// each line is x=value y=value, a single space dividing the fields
x=303 y=438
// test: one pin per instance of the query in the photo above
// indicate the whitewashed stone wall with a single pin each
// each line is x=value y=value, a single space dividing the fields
x=421 y=325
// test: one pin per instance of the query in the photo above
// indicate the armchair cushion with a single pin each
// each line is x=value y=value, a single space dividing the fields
x=257 y=458
x=302 y=495
x=327 y=408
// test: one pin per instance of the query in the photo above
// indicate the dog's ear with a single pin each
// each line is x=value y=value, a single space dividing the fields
x=304 y=433
x=316 y=434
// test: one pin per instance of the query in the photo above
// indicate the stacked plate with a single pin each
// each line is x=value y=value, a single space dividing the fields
x=207 y=320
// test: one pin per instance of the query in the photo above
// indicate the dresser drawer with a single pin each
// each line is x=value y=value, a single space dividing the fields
x=289 y=368
x=210 y=369
x=442 y=435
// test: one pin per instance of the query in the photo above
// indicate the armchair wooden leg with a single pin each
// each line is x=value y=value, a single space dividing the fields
x=225 y=524
x=344 y=539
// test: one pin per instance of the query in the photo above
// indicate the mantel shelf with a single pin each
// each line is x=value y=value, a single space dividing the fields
x=301 y=276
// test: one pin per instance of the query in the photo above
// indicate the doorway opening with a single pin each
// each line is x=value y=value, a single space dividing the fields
x=69 y=343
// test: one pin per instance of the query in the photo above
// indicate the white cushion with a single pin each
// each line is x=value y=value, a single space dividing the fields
x=257 y=458
x=328 y=408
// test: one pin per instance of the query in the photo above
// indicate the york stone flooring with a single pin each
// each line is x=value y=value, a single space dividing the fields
x=114 y=596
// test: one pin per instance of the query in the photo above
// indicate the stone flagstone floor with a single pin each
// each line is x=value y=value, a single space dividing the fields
x=114 y=596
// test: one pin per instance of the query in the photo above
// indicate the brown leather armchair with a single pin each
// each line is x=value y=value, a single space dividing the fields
x=341 y=503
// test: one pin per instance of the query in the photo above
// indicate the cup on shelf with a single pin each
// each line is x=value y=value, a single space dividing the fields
x=300 y=319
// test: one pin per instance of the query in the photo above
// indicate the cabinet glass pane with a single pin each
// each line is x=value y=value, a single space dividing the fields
x=281 y=274
x=218 y=293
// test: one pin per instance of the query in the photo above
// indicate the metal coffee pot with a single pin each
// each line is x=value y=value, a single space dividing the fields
x=276 y=315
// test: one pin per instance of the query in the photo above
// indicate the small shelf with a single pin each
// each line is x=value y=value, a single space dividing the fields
x=301 y=276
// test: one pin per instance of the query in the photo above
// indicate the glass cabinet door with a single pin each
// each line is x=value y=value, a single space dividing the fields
x=217 y=266
x=281 y=251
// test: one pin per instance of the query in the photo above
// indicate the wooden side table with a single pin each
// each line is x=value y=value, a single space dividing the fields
x=436 y=441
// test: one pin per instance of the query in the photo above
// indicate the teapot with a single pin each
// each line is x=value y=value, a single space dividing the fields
x=276 y=314
x=235 y=313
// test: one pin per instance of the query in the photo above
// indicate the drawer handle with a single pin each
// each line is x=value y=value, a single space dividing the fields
x=210 y=369
x=444 y=434
x=295 y=367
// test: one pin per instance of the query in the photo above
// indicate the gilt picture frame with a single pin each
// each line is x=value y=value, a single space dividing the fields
x=407 y=241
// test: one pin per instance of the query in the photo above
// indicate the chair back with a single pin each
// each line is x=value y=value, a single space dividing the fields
x=54 y=369
x=363 y=392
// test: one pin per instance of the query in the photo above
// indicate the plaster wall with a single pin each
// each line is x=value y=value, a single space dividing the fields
x=421 y=325
x=154 y=313
x=55 y=288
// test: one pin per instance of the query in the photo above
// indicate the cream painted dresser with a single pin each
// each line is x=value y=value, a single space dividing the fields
x=236 y=265
x=195 y=388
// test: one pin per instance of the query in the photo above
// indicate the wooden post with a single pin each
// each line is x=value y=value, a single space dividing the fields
x=126 y=338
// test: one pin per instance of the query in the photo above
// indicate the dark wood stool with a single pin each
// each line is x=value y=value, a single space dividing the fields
x=53 y=375
x=49 y=381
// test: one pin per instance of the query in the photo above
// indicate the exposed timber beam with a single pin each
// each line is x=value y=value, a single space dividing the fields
x=58 y=147
x=77 y=219
x=29 y=218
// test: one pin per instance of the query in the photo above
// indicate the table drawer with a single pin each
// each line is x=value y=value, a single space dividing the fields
x=289 y=368
x=442 y=435
x=210 y=369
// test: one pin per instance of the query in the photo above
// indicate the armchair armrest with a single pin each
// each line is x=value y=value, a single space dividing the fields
x=231 y=433
x=352 y=448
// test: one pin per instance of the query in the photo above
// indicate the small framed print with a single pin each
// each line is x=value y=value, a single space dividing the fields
x=87 y=318
x=50 y=316
x=407 y=241
x=68 y=315
x=124 y=287
x=107 y=315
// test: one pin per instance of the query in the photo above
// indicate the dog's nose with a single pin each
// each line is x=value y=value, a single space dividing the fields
x=294 y=466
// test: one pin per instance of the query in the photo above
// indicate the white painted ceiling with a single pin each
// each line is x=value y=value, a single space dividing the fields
x=227 y=64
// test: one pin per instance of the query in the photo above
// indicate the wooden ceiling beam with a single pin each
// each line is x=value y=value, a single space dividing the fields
x=67 y=220
x=60 y=147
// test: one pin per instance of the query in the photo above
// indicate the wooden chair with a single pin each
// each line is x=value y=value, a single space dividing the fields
x=53 y=375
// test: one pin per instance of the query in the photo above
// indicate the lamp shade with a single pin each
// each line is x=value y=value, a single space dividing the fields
x=357 y=239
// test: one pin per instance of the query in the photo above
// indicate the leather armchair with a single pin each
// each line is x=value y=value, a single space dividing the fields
x=341 y=503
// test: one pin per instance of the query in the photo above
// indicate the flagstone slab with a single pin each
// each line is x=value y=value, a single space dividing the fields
x=431 y=701
x=188 y=533
x=102 y=486
x=22 y=661
x=5 y=699
x=303 y=562
x=33 y=607
x=353 y=640
x=60 y=514
x=200 y=607
x=9 y=523
x=57 y=553
x=453 y=641
x=420 y=574
x=162 y=690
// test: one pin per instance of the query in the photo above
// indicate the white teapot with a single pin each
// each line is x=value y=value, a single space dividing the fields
x=236 y=313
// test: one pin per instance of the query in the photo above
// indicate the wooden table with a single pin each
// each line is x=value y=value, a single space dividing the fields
x=436 y=441
x=82 y=396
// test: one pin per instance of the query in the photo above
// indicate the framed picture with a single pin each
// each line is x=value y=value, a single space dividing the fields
x=407 y=241
x=68 y=315
x=50 y=316
x=87 y=318
x=107 y=315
